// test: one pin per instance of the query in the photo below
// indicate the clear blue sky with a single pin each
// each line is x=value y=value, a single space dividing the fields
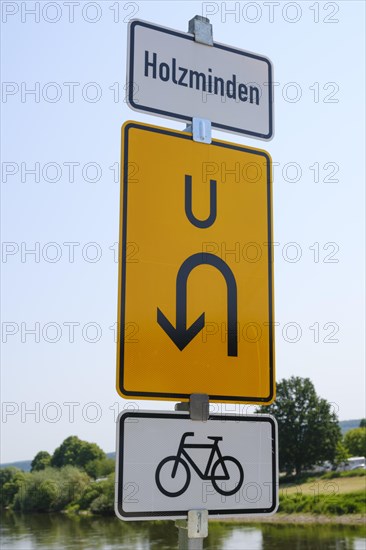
x=317 y=50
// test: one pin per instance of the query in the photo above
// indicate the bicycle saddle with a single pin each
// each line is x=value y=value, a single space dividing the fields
x=214 y=437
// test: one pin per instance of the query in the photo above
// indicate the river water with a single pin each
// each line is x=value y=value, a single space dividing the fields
x=60 y=532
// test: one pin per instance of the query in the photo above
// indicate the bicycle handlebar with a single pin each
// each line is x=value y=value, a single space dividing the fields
x=187 y=434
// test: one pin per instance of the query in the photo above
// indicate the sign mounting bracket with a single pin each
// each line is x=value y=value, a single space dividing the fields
x=198 y=407
x=202 y=30
x=200 y=129
x=193 y=531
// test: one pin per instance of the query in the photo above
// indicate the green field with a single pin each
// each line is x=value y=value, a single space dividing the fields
x=320 y=486
x=330 y=494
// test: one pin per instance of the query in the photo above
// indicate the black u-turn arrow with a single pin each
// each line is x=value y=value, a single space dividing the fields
x=180 y=334
x=201 y=224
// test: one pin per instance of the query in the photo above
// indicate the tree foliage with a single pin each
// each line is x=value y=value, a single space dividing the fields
x=308 y=428
x=51 y=489
x=362 y=423
x=99 y=497
x=73 y=451
x=66 y=485
x=41 y=461
x=101 y=467
x=341 y=455
x=355 y=441
x=11 y=481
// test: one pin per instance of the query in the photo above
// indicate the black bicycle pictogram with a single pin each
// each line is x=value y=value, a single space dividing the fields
x=177 y=467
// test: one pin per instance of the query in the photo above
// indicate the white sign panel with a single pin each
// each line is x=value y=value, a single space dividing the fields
x=168 y=464
x=171 y=75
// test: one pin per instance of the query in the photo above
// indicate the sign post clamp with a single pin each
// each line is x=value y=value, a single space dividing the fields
x=198 y=407
x=202 y=30
x=193 y=531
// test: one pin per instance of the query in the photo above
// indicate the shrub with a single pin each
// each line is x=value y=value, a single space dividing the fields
x=51 y=490
x=359 y=472
x=99 y=497
x=100 y=467
x=11 y=480
x=346 y=503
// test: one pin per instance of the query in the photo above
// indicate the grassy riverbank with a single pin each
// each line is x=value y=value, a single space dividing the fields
x=335 y=504
x=301 y=519
x=70 y=490
x=321 y=485
x=332 y=494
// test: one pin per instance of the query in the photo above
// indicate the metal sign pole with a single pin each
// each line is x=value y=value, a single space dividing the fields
x=185 y=543
x=192 y=532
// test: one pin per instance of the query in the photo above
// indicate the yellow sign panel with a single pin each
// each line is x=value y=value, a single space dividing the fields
x=196 y=272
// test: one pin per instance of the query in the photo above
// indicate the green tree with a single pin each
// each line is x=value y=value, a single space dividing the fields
x=40 y=461
x=101 y=467
x=308 y=429
x=98 y=497
x=341 y=454
x=355 y=441
x=11 y=481
x=75 y=452
x=362 y=423
x=51 y=489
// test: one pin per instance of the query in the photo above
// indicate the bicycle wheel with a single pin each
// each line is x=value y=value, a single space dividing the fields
x=236 y=476
x=163 y=475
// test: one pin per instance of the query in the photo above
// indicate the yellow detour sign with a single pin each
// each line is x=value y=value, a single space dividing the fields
x=196 y=273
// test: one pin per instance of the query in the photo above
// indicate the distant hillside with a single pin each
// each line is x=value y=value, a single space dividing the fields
x=349 y=425
x=26 y=464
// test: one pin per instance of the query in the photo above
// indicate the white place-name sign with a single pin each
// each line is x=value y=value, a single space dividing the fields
x=171 y=75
